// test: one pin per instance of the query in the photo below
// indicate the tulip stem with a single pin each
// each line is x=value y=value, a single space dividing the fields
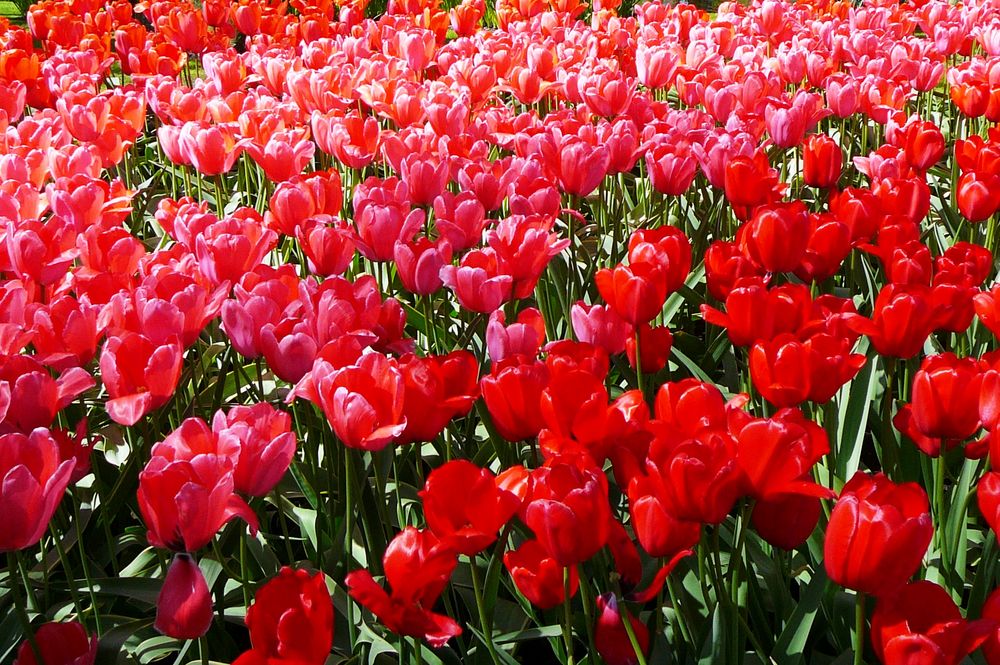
x=484 y=623
x=417 y=652
x=640 y=656
x=567 y=617
x=13 y=562
x=859 y=629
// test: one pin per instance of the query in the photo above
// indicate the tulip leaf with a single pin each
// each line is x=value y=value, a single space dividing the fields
x=790 y=646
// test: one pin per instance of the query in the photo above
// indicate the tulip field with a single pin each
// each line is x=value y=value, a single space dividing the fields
x=436 y=331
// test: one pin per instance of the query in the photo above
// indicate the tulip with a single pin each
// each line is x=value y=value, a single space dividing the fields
x=33 y=478
x=138 y=375
x=185 y=501
x=924 y=145
x=465 y=506
x=601 y=326
x=184 y=604
x=786 y=520
x=610 y=637
x=944 y=406
x=988 y=498
x=776 y=453
x=877 y=534
x=60 y=643
x=538 y=576
x=512 y=393
x=291 y=620
x=478 y=281
x=266 y=441
x=523 y=337
x=417 y=568
x=921 y=624
x=635 y=292
x=650 y=347
x=777 y=236
x=901 y=321
x=822 y=161
x=568 y=510
x=991 y=612
x=660 y=533
x=437 y=389
x=362 y=402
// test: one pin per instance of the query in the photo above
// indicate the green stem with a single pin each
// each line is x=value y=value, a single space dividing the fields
x=13 y=562
x=859 y=629
x=567 y=628
x=640 y=656
x=484 y=621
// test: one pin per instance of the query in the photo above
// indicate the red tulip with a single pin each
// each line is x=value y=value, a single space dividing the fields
x=185 y=501
x=777 y=453
x=924 y=145
x=610 y=637
x=417 y=568
x=33 y=478
x=901 y=321
x=184 y=605
x=568 y=510
x=755 y=312
x=659 y=532
x=944 y=406
x=780 y=370
x=436 y=390
x=786 y=520
x=777 y=236
x=138 y=375
x=465 y=506
x=538 y=576
x=291 y=620
x=921 y=624
x=636 y=292
x=988 y=498
x=512 y=392
x=60 y=643
x=665 y=247
x=654 y=344
x=877 y=534
x=37 y=396
x=978 y=196
x=822 y=161
x=991 y=612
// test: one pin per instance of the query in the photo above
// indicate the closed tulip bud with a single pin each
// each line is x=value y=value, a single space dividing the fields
x=924 y=145
x=652 y=349
x=612 y=639
x=779 y=369
x=901 y=321
x=184 y=605
x=822 y=161
x=786 y=520
x=635 y=292
x=777 y=236
x=878 y=534
x=944 y=404
x=512 y=392
x=538 y=576
x=60 y=643
x=978 y=196
x=291 y=620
